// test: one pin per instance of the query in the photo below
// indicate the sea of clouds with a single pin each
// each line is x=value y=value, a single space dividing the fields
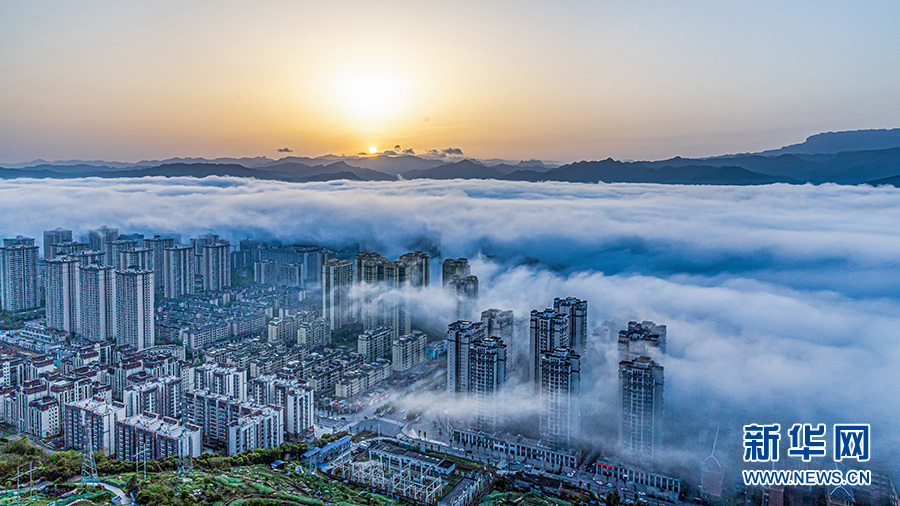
x=782 y=302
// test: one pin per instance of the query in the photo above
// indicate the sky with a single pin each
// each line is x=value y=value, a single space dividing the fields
x=781 y=301
x=559 y=81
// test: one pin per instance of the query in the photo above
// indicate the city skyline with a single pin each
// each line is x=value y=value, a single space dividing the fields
x=543 y=254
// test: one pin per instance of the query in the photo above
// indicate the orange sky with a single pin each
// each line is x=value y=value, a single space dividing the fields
x=579 y=80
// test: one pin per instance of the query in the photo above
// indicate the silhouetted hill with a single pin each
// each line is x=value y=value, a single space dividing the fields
x=822 y=158
x=74 y=170
x=892 y=181
x=395 y=165
x=362 y=174
x=332 y=176
x=465 y=169
x=32 y=173
x=837 y=142
x=191 y=170
x=612 y=171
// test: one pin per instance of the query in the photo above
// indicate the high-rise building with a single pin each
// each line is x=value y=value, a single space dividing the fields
x=640 y=338
x=641 y=388
x=134 y=308
x=54 y=237
x=233 y=424
x=91 y=422
x=19 y=275
x=460 y=335
x=115 y=249
x=392 y=307
x=548 y=330
x=476 y=366
x=268 y=272
x=408 y=351
x=418 y=265
x=375 y=343
x=377 y=309
x=216 y=270
x=498 y=323
x=466 y=289
x=161 y=396
x=88 y=257
x=310 y=259
x=198 y=243
x=313 y=333
x=560 y=379
x=61 y=290
x=453 y=268
x=98 y=239
x=222 y=380
x=368 y=268
x=67 y=248
x=283 y=330
x=487 y=375
x=178 y=267
x=97 y=302
x=157 y=246
x=337 y=276
x=137 y=239
x=290 y=394
x=146 y=436
x=576 y=312
x=142 y=258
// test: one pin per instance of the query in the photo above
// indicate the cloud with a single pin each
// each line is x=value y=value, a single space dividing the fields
x=285 y=150
x=409 y=151
x=389 y=152
x=781 y=301
x=444 y=153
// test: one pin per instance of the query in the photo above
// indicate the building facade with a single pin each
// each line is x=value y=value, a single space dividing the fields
x=19 y=275
x=641 y=383
x=560 y=386
x=134 y=308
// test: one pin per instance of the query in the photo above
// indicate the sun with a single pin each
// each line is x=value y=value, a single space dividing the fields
x=370 y=98
x=372 y=150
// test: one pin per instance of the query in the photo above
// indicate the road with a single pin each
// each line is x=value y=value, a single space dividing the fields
x=124 y=499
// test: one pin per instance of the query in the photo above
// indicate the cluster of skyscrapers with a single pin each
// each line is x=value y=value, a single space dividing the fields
x=477 y=361
x=378 y=299
x=105 y=288
x=108 y=287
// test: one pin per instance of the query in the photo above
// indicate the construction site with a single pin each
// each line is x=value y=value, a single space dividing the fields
x=393 y=468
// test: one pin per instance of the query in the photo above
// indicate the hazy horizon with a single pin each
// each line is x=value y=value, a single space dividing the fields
x=512 y=80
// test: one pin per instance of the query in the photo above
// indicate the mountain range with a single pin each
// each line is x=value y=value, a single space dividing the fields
x=853 y=157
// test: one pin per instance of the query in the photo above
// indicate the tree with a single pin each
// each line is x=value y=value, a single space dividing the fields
x=612 y=498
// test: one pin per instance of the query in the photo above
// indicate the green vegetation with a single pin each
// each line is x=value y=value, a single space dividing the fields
x=241 y=278
x=347 y=336
x=328 y=438
x=256 y=485
x=10 y=321
x=62 y=466
x=240 y=480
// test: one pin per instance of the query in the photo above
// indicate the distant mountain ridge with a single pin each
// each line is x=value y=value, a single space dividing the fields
x=857 y=157
x=838 y=142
